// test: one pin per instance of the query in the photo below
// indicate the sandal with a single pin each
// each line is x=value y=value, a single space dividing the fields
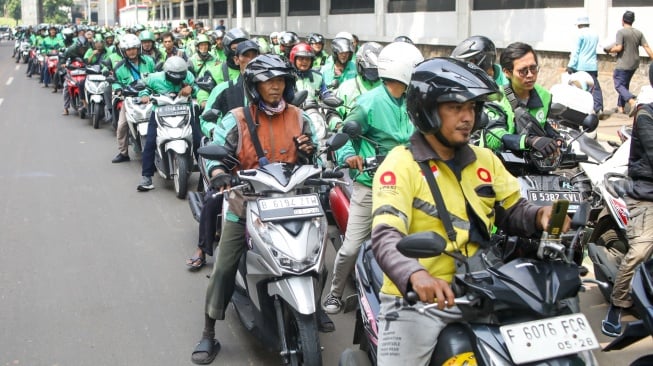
x=208 y=348
x=195 y=263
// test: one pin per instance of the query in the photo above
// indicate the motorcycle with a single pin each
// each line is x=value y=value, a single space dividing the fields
x=52 y=62
x=136 y=113
x=94 y=88
x=321 y=112
x=508 y=313
x=74 y=80
x=642 y=288
x=24 y=52
x=278 y=279
x=173 y=157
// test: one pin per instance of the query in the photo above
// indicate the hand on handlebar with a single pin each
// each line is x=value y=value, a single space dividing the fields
x=355 y=162
x=429 y=288
x=544 y=145
x=543 y=217
x=220 y=179
x=186 y=91
x=145 y=99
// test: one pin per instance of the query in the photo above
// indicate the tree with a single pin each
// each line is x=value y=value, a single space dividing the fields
x=52 y=12
x=13 y=10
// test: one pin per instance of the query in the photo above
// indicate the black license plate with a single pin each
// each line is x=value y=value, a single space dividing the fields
x=546 y=197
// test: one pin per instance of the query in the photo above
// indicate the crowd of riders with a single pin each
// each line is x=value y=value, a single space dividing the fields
x=369 y=79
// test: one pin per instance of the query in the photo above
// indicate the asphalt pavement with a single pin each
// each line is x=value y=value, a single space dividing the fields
x=93 y=272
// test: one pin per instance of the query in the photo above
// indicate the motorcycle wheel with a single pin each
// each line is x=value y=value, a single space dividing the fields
x=608 y=236
x=97 y=114
x=302 y=337
x=180 y=176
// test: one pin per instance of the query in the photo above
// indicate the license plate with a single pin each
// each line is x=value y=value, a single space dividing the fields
x=546 y=197
x=548 y=338
x=173 y=110
x=96 y=77
x=292 y=207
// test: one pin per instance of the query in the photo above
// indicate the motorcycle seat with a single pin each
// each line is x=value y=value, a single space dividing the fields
x=593 y=149
x=372 y=267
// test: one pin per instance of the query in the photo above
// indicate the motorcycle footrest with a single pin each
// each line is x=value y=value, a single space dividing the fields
x=196 y=203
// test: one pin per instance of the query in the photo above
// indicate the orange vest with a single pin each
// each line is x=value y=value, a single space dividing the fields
x=275 y=133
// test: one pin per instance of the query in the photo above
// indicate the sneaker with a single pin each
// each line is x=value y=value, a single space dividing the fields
x=120 y=158
x=332 y=304
x=145 y=185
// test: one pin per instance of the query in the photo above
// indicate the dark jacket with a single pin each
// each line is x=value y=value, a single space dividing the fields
x=640 y=163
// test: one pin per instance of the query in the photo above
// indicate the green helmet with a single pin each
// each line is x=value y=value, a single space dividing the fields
x=202 y=38
x=146 y=35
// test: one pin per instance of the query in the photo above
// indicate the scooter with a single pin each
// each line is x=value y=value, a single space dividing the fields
x=75 y=78
x=136 y=113
x=508 y=313
x=94 y=88
x=278 y=279
x=174 y=141
x=642 y=288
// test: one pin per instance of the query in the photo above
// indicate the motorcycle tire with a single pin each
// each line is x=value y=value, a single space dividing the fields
x=95 y=115
x=302 y=338
x=608 y=236
x=180 y=175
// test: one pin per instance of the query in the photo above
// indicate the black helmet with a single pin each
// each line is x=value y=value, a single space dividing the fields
x=403 y=39
x=234 y=35
x=265 y=67
x=288 y=40
x=443 y=79
x=478 y=50
x=315 y=38
x=339 y=45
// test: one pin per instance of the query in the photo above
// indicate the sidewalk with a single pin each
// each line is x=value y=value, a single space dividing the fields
x=608 y=128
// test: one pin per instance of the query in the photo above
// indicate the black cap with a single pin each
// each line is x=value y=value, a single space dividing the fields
x=245 y=46
x=629 y=17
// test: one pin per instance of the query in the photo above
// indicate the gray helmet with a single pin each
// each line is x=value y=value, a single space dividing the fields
x=175 y=69
x=339 y=45
x=367 y=59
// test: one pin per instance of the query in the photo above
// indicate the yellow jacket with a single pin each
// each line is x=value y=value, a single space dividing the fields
x=481 y=194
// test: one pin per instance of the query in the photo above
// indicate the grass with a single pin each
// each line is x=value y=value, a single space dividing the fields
x=9 y=21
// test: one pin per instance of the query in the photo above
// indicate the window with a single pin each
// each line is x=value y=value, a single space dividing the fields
x=220 y=9
x=303 y=7
x=175 y=11
x=351 y=6
x=247 y=9
x=407 y=6
x=626 y=3
x=268 y=8
x=203 y=10
x=188 y=11
x=527 y=4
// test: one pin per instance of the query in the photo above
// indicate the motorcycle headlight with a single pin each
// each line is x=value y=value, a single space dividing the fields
x=92 y=87
x=174 y=121
x=270 y=235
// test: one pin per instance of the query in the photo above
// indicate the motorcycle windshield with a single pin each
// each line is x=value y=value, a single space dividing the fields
x=539 y=285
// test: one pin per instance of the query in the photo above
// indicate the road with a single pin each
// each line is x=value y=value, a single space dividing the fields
x=91 y=271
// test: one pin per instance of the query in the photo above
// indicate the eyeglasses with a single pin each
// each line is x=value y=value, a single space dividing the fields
x=534 y=69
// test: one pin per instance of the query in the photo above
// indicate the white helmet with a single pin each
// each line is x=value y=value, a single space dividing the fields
x=345 y=35
x=130 y=41
x=397 y=61
x=581 y=80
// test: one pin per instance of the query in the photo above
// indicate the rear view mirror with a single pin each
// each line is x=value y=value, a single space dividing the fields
x=299 y=98
x=352 y=128
x=422 y=245
x=591 y=122
x=581 y=215
x=211 y=115
x=333 y=102
x=213 y=152
x=337 y=141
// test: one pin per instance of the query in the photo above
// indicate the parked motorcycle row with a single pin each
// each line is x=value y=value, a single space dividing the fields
x=528 y=284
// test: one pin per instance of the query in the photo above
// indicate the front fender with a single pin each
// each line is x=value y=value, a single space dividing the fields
x=97 y=98
x=178 y=146
x=298 y=292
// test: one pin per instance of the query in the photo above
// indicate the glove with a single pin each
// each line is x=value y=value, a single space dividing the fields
x=545 y=145
x=570 y=70
x=221 y=181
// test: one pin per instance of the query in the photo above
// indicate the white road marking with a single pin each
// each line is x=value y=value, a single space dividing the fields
x=17 y=67
x=11 y=78
x=1 y=100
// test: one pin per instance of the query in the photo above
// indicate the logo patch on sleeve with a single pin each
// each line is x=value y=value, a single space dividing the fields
x=388 y=179
x=484 y=175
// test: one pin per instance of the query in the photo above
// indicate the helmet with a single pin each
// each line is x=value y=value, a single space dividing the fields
x=263 y=45
x=68 y=33
x=397 y=60
x=403 y=39
x=52 y=26
x=440 y=80
x=202 y=38
x=146 y=35
x=478 y=50
x=138 y=28
x=315 y=38
x=581 y=80
x=266 y=67
x=288 y=40
x=367 y=61
x=175 y=69
x=274 y=35
x=301 y=50
x=339 y=45
x=218 y=33
x=130 y=41
x=108 y=35
x=345 y=35
x=233 y=35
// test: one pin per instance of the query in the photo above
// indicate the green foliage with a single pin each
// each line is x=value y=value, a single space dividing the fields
x=52 y=12
x=13 y=9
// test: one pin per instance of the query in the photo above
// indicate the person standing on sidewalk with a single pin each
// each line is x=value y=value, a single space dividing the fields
x=583 y=58
x=626 y=47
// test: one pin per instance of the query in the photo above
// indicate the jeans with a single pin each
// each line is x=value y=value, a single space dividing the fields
x=147 y=169
x=597 y=93
x=45 y=75
x=621 y=80
x=209 y=220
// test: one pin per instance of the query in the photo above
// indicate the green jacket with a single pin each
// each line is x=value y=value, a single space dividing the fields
x=384 y=120
x=206 y=126
x=349 y=92
x=312 y=82
x=91 y=59
x=199 y=68
x=125 y=74
x=48 y=44
x=499 y=77
x=158 y=84
x=501 y=126
x=329 y=75
x=219 y=54
x=319 y=60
